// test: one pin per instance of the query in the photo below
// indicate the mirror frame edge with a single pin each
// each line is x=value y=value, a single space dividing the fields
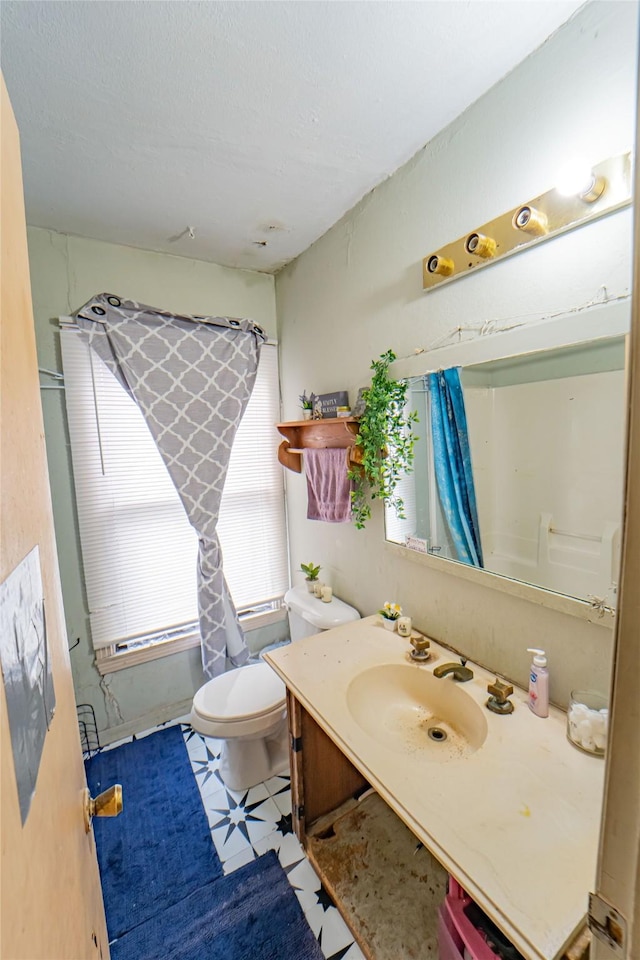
x=540 y=596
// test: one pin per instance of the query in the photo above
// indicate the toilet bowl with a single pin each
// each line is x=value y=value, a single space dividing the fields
x=246 y=707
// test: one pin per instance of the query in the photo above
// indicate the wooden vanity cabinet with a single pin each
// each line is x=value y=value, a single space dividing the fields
x=385 y=883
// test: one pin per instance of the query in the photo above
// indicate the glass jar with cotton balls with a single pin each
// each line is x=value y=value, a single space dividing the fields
x=588 y=721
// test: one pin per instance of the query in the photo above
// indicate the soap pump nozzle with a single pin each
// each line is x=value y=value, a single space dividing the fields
x=540 y=657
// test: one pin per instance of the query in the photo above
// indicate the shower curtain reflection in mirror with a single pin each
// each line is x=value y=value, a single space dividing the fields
x=439 y=496
x=452 y=464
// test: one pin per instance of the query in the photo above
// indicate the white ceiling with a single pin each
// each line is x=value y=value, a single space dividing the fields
x=259 y=124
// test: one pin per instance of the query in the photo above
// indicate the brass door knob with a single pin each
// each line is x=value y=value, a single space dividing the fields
x=106 y=804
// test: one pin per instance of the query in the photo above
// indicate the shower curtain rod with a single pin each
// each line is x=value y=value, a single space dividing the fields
x=69 y=323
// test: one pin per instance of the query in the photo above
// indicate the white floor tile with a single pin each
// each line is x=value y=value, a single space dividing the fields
x=283 y=802
x=229 y=841
x=195 y=746
x=287 y=847
x=210 y=785
x=262 y=821
x=277 y=784
x=335 y=933
x=253 y=795
x=147 y=733
x=305 y=881
x=355 y=953
x=246 y=856
x=216 y=808
x=117 y=743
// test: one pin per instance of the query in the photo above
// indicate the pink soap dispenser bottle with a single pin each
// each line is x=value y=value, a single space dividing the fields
x=539 y=683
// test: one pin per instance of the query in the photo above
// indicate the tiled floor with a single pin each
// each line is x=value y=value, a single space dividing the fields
x=248 y=823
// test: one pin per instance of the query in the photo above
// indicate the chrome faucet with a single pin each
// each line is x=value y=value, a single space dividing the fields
x=459 y=671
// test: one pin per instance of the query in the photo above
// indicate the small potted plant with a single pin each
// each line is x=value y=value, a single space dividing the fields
x=311 y=572
x=390 y=613
x=307 y=405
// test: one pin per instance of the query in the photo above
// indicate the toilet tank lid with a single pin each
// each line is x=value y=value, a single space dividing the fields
x=247 y=692
x=322 y=615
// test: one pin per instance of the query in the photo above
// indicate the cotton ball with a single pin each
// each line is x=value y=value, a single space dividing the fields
x=578 y=711
x=584 y=730
x=600 y=741
x=599 y=724
x=589 y=744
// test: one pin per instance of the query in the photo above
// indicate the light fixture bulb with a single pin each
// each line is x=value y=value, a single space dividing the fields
x=577 y=179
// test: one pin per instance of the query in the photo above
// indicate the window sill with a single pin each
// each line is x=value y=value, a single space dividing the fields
x=108 y=661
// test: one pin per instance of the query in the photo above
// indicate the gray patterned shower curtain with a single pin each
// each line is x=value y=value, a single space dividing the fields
x=192 y=378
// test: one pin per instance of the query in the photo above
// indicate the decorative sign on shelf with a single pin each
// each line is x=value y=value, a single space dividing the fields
x=327 y=404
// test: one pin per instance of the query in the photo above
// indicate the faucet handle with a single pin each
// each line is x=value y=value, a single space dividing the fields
x=498 y=702
x=500 y=690
x=419 y=643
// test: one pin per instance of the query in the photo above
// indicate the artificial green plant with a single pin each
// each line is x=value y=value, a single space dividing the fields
x=386 y=441
x=310 y=570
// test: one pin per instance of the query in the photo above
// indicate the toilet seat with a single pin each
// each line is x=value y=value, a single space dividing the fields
x=242 y=702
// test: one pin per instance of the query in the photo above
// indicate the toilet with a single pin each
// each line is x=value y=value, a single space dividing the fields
x=246 y=707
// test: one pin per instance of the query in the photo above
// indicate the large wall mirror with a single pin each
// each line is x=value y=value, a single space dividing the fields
x=545 y=422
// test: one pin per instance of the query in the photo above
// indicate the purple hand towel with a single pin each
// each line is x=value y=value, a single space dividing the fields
x=328 y=486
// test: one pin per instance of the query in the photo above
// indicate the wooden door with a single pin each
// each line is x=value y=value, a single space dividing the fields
x=51 y=901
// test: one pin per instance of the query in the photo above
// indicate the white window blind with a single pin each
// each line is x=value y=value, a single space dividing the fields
x=252 y=526
x=139 y=550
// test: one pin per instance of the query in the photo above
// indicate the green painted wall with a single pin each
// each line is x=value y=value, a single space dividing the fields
x=65 y=273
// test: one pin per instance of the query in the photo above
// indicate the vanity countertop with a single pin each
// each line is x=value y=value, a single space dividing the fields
x=516 y=823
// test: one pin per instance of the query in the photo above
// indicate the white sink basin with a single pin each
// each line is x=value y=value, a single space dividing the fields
x=407 y=709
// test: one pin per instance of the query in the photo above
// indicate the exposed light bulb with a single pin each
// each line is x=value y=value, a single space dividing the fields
x=574 y=178
x=577 y=179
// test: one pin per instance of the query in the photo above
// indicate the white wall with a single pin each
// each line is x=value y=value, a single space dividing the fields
x=65 y=273
x=551 y=447
x=358 y=291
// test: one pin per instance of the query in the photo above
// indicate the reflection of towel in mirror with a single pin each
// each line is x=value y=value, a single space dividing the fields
x=328 y=486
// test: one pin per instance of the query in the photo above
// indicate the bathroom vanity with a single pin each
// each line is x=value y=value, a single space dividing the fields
x=385 y=809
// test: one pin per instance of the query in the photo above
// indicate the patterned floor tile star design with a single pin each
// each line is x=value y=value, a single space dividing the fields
x=246 y=823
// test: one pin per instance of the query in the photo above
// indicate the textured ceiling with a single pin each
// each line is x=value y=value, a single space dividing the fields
x=259 y=124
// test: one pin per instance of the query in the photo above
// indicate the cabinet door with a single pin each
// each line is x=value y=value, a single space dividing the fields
x=322 y=778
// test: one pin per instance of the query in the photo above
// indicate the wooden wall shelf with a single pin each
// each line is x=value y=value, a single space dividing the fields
x=318 y=434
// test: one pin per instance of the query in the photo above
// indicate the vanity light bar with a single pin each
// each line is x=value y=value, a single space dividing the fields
x=545 y=216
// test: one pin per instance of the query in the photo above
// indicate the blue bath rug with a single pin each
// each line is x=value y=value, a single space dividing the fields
x=159 y=849
x=251 y=914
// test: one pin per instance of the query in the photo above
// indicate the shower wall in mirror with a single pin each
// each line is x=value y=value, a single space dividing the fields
x=546 y=432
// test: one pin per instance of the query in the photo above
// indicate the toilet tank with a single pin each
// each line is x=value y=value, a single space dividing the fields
x=309 y=615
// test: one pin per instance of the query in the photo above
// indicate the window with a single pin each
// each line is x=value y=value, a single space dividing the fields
x=139 y=550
